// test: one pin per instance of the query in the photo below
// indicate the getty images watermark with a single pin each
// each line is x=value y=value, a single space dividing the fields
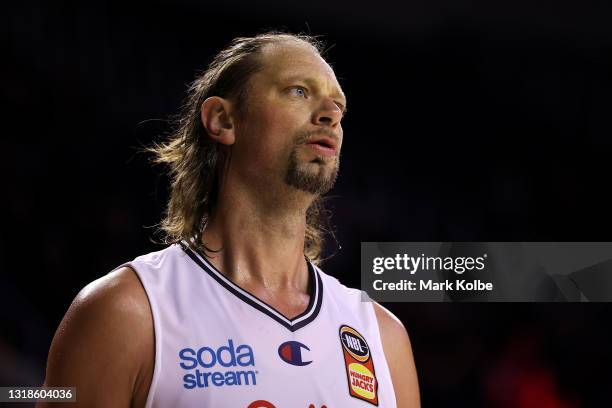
x=487 y=271
x=411 y=265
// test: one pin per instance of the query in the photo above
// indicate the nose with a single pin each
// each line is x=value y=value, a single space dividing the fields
x=328 y=114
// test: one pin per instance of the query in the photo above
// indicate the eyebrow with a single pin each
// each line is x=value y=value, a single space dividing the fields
x=313 y=82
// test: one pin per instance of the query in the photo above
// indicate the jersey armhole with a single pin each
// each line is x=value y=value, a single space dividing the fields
x=157 y=332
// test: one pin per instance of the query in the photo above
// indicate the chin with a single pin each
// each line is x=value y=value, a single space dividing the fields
x=316 y=176
x=314 y=181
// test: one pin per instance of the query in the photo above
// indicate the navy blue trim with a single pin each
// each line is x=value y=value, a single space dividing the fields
x=314 y=305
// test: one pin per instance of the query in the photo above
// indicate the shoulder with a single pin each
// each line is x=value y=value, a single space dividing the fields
x=107 y=330
x=390 y=326
x=398 y=353
x=115 y=302
x=120 y=290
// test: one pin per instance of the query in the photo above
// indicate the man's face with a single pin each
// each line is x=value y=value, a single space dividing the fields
x=291 y=132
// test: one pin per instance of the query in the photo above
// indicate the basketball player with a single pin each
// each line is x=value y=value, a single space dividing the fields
x=235 y=312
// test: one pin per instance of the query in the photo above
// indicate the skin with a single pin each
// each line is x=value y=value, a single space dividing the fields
x=104 y=346
x=260 y=224
x=263 y=234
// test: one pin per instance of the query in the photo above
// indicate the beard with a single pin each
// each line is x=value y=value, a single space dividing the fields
x=315 y=177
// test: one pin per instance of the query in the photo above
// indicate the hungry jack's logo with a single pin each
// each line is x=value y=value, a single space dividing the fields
x=359 y=365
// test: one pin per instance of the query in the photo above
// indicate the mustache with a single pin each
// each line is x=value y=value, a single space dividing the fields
x=304 y=136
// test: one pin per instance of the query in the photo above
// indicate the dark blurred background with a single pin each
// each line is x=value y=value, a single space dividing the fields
x=479 y=120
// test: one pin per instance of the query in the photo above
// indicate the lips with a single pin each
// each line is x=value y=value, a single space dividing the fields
x=323 y=145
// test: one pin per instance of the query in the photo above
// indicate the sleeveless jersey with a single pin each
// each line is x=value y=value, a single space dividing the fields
x=217 y=345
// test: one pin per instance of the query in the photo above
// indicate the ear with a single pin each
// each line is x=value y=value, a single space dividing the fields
x=216 y=119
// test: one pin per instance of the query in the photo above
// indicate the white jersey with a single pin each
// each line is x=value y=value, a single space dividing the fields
x=217 y=345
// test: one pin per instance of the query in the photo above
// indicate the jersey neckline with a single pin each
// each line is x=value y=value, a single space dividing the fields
x=315 y=286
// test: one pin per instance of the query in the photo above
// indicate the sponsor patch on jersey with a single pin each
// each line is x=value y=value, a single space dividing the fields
x=359 y=365
x=227 y=365
x=261 y=404
x=268 y=404
x=291 y=353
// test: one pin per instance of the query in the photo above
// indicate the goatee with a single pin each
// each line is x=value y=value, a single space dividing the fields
x=315 y=181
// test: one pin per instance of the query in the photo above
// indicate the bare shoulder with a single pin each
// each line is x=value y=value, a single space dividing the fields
x=398 y=353
x=120 y=290
x=390 y=325
x=104 y=346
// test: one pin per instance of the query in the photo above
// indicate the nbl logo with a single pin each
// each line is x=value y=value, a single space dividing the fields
x=359 y=365
x=355 y=344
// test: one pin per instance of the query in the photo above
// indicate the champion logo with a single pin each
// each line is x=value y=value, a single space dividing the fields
x=291 y=353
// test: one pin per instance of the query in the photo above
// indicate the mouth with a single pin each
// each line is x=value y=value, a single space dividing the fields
x=323 y=145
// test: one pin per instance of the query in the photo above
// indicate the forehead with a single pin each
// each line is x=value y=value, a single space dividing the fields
x=293 y=59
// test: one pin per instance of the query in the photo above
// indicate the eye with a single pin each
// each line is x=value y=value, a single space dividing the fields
x=341 y=107
x=299 y=91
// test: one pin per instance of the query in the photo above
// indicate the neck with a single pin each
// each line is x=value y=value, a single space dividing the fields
x=260 y=238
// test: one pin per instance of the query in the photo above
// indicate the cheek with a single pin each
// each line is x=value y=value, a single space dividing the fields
x=267 y=139
x=340 y=141
x=278 y=125
x=282 y=119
